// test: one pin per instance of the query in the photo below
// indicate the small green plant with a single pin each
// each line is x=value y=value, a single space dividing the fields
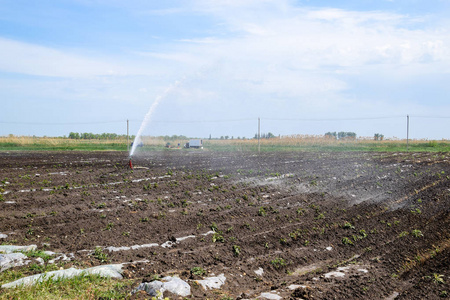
x=438 y=278
x=198 y=271
x=300 y=211
x=416 y=211
x=218 y=237
x=100 y=255
x=348 y=225
x=214 y=227
x=109 y=226
x=262 y=212
x=236 y=250
x=417 y=233
x=403 y=234
x=278 y=263
x=346 y=241
x=320 y=216
x=30 y=215
x=363 y=234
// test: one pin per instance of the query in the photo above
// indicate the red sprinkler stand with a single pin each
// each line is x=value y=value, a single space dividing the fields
x=130 y=165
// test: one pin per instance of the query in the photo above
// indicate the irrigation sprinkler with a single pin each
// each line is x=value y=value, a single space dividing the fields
x=130 y=164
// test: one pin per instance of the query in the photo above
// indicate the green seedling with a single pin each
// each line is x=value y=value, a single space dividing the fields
x=278 y=263
x=198 y=271
x=417 y=233
x=346 y=241
x=100 y=255
x=236 y=250
x=348 y=225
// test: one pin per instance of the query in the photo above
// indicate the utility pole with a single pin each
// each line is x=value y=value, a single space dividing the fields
x=407 y=132
x=128 y=135
x=259 y=134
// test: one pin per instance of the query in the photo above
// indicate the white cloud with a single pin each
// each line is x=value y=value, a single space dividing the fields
x=20 y=57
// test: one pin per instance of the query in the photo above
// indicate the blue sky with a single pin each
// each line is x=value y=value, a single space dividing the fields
x=303 y=67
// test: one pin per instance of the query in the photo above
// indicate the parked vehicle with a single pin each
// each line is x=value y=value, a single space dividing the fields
x=194 y=144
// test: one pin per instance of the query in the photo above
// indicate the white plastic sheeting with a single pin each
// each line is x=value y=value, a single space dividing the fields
x=10 y=248
x=112 y=271
x=212 y=282
x=11 y=260
x=171 y=284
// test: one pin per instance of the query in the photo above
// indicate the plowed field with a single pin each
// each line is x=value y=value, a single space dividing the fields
x=300 y=225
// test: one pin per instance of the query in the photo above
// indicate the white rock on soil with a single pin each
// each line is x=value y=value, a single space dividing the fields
x=259 y=272
x=3 y=236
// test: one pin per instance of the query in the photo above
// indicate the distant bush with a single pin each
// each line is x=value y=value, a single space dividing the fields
x=432 y=144
x=94 y=136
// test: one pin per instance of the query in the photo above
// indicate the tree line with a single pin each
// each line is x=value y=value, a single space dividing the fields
x=97 y=136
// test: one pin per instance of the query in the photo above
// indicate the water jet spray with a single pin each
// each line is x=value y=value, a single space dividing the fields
x=148 y=116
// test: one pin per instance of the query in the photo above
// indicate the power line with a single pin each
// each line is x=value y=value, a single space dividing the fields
x=68 y=123
x=224 y=120
x=431 y=117
x=335 y=119
x=205 y=121
x=123 y=121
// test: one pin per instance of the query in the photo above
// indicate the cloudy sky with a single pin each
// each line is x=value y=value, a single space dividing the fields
x=303 y=67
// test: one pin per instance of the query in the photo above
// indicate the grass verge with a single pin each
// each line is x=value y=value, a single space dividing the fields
x=79 y=287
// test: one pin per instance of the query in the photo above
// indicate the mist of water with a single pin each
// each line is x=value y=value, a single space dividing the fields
x=150 y=112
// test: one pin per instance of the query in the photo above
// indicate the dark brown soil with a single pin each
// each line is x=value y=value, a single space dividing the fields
x=381 y=218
